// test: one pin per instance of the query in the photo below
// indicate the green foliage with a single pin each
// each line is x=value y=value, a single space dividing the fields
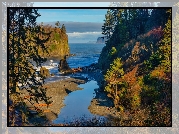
x=57 y=24
x=114 y=84
x=63 y=29
x=57 y=45
x=165 y=48
x=153 y=61
x=57 y=36
x=53 y=47
x=112 y=53
x=115 y=71
x=24 y=43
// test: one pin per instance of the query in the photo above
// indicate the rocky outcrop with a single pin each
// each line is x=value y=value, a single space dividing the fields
x=44 y=72
x=63 y=66
x=101 y=40
x=57 y=45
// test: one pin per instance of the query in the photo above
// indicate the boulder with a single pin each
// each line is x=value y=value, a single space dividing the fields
x=44 y=72
x=64 y=67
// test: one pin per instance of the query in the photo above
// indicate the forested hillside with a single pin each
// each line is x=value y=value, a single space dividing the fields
x=136 y=63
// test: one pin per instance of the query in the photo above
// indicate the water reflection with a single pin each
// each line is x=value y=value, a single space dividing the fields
x=77 y=103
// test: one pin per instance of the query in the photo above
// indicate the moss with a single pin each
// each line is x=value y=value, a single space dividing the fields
x=53 y=47
x=57 y=36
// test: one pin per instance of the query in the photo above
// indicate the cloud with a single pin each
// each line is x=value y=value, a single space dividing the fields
x=79 y=26
x=81 y=32
x=83 y=26
x=77 y=37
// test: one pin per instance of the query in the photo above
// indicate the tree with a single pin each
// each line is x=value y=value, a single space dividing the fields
x=63 y=28
x=108 y=27
x=24 y=42
x=57 y=24
x=113 y=78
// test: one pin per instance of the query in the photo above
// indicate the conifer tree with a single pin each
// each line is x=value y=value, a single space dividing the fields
x=57 y=24
x=108 y=27
x=63 y=28
x=112 y=78
x=24 y=42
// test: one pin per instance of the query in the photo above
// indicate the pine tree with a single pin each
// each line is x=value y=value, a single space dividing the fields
x=108 y=27
x=57 y=24
x=24 y=42
x=63 y=28
x=113 y=79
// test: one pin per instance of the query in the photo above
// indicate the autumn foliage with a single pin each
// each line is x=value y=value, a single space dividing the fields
x=138 y=77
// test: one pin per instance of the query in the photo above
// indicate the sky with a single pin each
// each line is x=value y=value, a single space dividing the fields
x=82 y=25
x=77 y=31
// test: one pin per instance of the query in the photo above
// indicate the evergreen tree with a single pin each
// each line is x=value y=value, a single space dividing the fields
x=113 y=79
x=24 y=42
x=108 y=27
x=63 y=28
x=57 y=24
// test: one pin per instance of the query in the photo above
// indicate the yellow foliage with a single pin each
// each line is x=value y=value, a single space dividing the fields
x=158 y=72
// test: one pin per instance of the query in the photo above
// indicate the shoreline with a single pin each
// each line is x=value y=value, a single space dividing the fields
x=58 y=91
x=100 y=105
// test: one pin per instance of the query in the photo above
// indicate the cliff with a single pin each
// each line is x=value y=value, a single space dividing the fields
x=57 y=45
x=101 y=40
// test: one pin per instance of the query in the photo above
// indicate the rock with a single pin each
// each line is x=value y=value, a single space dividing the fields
x=44 y=72
x=101 y=40
x=72 y=54
x=64 y=67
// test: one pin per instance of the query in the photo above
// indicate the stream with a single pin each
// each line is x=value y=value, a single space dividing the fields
x=77 y=102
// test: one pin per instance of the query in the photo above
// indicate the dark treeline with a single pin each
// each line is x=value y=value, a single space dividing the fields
x=123 y=25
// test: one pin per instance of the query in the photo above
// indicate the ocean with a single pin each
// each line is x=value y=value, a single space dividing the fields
x=85 y=54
